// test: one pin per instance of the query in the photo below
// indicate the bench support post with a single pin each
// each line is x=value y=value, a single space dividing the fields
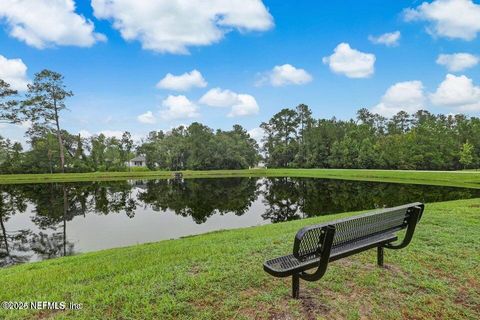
x=295 y=286
x=380 y=256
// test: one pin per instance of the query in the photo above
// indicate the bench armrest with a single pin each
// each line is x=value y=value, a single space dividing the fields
x=324 y=255
x=412 y=220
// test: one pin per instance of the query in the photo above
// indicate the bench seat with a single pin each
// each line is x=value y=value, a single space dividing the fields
x=288 y=265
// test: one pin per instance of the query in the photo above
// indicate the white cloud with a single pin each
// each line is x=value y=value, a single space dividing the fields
x=15 y=132
x=178 y=107
x=171 y=26
x=182 y=82
x=257 y=134
x=240 y=104
x=284 y=75
x=350 y=62
x=457 y=92
x=246 y=106
x=147 y=118
x=448 y=18
x=85 y=134
x=43 y=23
x=14 y=72
x=407 y=96
x=458 y=61
x=390 y=39
x=217 y=97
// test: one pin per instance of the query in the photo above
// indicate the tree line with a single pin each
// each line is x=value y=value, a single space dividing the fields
x=292 y=139
x=53 y=149
x=419 y=141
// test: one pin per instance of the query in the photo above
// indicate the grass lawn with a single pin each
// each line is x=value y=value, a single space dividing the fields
x=219 y=276
x=448 y=178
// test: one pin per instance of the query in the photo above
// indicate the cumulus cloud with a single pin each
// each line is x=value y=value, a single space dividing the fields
x=217 y=97
x=350 y=62
x=147 y=118
x=171 y=26
x=408 y=96
x=284 y=75
x=457 y=92
x=85 y=134
x=390 y=39
x=14 y=72
x=178 y=107
x=458 y=19
x=183 y=82
x=43 y=23
x=239 y=104
x=245 y=106
x=458 y=61
x=257 y=134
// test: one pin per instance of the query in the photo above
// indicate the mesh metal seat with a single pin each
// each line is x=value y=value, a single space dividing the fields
x=287 y=265
x=317 y=245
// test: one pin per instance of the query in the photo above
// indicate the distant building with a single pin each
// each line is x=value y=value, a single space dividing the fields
x=138 y=161
x=260 y=165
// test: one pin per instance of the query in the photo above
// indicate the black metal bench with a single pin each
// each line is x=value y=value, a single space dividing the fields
x=317 y=245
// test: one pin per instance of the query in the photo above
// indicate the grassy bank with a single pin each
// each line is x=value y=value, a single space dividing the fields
x=219 y=276
x=448 y=178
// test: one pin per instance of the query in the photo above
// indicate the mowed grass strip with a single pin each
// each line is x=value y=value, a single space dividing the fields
x=469 y=179
x=219 y=276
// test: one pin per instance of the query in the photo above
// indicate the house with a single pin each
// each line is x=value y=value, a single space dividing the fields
x=138 y=161
x=260 y=165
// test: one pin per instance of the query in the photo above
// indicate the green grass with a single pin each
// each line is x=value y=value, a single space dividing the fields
x=219 y=276
x=448 y=178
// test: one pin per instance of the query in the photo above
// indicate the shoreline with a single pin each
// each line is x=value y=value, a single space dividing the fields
x=469 y=179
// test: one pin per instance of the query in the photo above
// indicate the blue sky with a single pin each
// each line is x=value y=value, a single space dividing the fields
x=252 y=57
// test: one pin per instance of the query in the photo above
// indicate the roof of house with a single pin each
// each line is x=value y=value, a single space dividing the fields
x=139 y=158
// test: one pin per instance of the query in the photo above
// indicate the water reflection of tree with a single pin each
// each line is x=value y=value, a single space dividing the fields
x=290 y=198
x=54 y=205
x=282 y=199
x=201 y=198
x=113 y=197
x=13 y=243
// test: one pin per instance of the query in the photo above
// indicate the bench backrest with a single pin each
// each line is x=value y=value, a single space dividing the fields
x=308 y=240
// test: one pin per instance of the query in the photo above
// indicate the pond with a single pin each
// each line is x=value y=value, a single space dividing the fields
x=42 y=221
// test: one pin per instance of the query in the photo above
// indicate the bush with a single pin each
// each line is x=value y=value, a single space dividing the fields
x=139 y=169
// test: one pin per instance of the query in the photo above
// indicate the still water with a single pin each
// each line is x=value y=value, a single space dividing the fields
x=42 y=221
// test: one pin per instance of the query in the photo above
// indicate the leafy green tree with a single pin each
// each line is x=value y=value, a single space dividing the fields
x=98 y=152
x=8 y=106
x=305 y=123
x=466 y=155
x=45 y=101
x=126 y=147
x=280 y=141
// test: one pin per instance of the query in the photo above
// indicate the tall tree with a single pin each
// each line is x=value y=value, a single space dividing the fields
x=126 y=144
x=305 y=123
x=466 y=155
x=8 y=106
x=45 y=100
x=281 y=138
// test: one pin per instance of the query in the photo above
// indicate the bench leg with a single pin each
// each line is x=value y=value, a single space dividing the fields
x=295 y=286
x=380 y=256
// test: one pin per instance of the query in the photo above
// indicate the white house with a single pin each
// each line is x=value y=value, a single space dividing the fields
x=138 y=161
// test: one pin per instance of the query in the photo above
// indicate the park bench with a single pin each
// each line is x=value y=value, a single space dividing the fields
x=317 y=245
x=177 y=175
